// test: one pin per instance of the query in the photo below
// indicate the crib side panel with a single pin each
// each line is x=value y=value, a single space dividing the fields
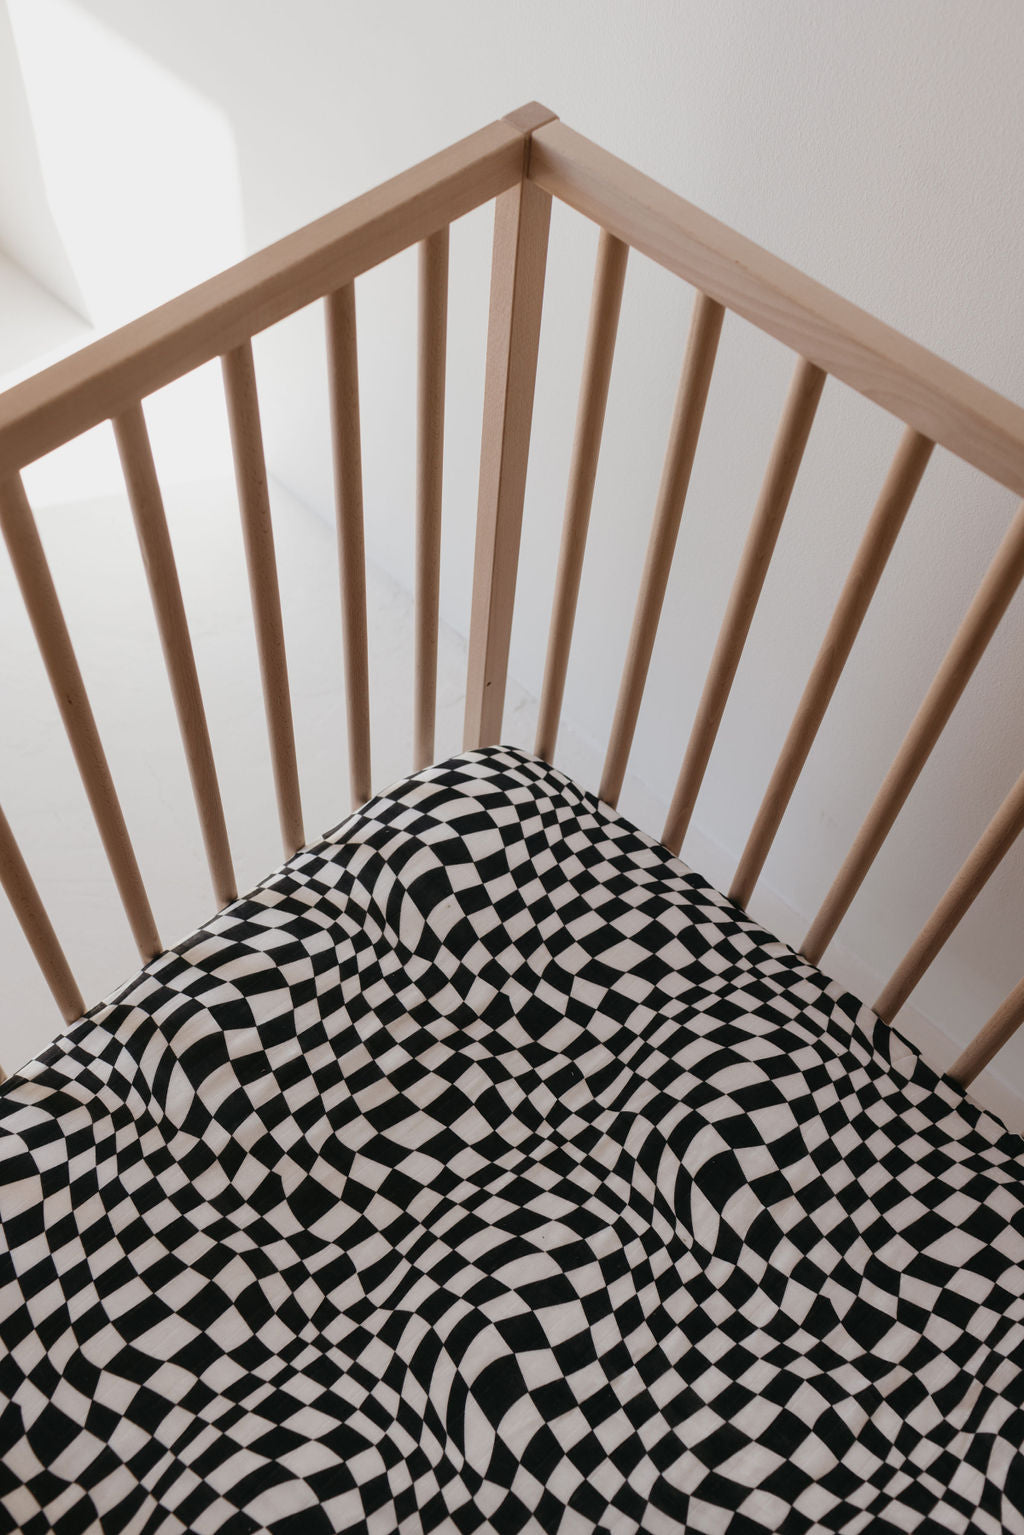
x=521 y=162
x=107 y=377
x=109 y=380
x=940 y=401
x=938 y=405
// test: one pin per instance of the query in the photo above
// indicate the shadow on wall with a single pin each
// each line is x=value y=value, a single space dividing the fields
x=137 y=174
x=138 y=167
x=28 y=230
x=297 y=87
x=43 y=303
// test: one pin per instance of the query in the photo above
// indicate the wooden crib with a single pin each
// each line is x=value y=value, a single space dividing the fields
x=521 y=162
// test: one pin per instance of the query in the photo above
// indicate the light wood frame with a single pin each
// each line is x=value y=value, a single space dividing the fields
x=521 y=163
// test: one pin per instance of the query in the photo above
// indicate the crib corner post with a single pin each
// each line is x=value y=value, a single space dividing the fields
x=521 y=219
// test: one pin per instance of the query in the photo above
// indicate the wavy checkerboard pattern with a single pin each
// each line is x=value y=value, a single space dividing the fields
x=485 y=1169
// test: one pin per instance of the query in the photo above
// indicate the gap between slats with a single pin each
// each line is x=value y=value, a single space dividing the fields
x=891 y=509
x=783 y=465
x=165 y=590
x=44 y=611
x=969 y=644
x=1003 y=1024
x=989 y=851
x=35 y=923
x=691 y=398
x=606 y=303
x=264 y=590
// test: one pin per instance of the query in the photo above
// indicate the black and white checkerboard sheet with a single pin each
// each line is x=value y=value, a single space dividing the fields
x=485 y=1169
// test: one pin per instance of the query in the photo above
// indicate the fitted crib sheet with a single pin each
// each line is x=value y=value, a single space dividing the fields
x=486 y=1169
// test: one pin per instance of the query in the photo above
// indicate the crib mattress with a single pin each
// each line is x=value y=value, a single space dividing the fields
x=486 y=1169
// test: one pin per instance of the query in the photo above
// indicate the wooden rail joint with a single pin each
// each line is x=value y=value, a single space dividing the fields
x=527 y=119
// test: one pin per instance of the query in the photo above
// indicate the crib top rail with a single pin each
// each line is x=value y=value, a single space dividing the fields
x=113 y=373
x=943 y=403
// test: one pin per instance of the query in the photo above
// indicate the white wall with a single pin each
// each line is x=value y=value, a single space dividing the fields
x=876 y=145
x=28 y=233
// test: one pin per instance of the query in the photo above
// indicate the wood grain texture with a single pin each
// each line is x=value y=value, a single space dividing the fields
x=27 y=905
x=264 y=589
x=691 y=397
x=343 y=370
x=929 y=394
x=107 y=377
x=606 y=302
x=528 y=118
x=44 y=611
x=521 y=221
x=989 y=851
x=172 y=624
x=783 y=465
x=1003 y=1024
x=861 y=583
x=1001 y=581
x=432 y=356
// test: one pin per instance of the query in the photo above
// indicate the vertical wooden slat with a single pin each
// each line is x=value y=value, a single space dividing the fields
x=44 y=611
x=865 y=573
x=521 y=219
x=695 y=380
x=1004 y=1023
x=348 y=486
x=35 y=924
x=609 y=280
x=161 y=572
x=433 y=335
x=980 y=622
x=261 y=562
x=993 y=845
x=787 y=452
